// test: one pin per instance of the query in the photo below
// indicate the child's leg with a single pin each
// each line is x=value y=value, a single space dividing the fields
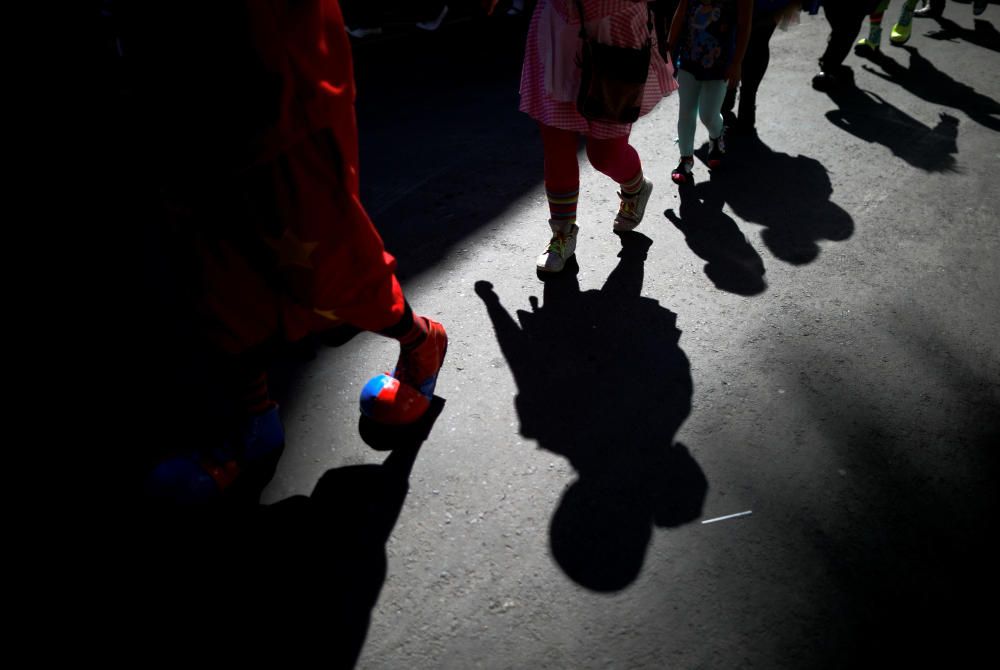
x=687 y=122
x=562 y=188
x=562 y=173
x=755 y=63
x=687 y=112
x=904 y=27
x=874 y=38
x=619 y=160
x=710 y=106
x=845 y=19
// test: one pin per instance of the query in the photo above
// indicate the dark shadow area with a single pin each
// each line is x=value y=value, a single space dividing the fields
x=925 y=81
x=603 y=383
x=983 y=35
x=869 y=117
x=397 y=19
x=290 y=583
x=909 y=576
x=732 y=263
x=788 y=195
x=444 y=148
x=964 y=8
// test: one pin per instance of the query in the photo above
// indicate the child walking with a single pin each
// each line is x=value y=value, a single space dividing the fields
x=550 y=81
x=901 y=31
x=711 y=38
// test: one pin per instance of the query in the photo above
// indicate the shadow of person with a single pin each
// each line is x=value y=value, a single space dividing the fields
x=602 y=382
x=296 y=580
x=732 y=263
x=983 y=35
x=788 y=195
x=925 y=81
x=869 y=117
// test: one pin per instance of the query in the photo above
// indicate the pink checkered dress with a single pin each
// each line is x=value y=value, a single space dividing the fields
x=550 y=78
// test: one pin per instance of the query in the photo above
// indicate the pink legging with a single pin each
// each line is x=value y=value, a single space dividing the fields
x=615 y=158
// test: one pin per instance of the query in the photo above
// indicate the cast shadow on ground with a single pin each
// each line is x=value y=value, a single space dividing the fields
x=984 y=35
x=444 y=150
x=908 y=557
x=790 y=196
x=869 y=117
x=925 y=81
x=295 y=581
x=602 y=382
x=731 y=262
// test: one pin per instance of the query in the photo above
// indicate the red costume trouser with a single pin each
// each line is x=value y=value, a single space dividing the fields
x=290 y=250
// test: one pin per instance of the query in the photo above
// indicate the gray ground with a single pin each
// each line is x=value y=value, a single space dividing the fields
x=809 y=334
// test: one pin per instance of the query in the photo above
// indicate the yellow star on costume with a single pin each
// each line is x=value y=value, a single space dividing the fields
x=293 y=251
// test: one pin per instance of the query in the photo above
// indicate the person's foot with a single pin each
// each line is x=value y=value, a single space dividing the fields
x=632 y=208
x=903 y=29
x=682 y=173
x=435 y=23
x=829 y=80
x=978 y=7
x=866 y=47
x=405 y=395
x=716 y=151
x=418 y=367
x=561 y=247
x=928 y=11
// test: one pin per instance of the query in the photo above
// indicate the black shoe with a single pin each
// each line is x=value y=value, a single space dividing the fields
x=729 y=119
x=828 y=81
x=824 y=82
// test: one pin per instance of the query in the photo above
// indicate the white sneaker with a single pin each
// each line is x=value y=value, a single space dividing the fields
x=436 y=23
x=561 y=248
x=633 y=208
